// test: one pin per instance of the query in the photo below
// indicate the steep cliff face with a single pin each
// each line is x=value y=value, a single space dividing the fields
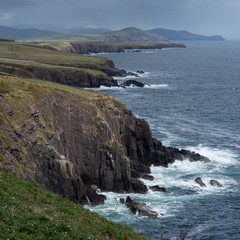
x=68 y=142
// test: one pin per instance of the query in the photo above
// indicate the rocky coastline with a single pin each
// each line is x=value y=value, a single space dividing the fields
x=69 y=143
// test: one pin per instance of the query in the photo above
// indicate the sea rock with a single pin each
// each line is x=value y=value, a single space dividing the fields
x=156 y=188
x=215 y=183
x=140 y=72
x=122 y=201
x=147 y=177
x=133 y=83
x=141 y=208
x=94 y=198
x=200 y=182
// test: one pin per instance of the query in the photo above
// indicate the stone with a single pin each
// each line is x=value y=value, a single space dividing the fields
x=200 y=182
x=156 y=188
x=147 y=177
x=122 y=201
x=141 y=208
x=215 y=183
x=134 y=83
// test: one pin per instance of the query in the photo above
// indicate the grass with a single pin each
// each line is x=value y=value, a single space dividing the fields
x=17 y=86
x=30 y=212
x=11 y=51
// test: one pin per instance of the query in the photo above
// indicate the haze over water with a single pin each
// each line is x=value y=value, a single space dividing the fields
x=192 y=102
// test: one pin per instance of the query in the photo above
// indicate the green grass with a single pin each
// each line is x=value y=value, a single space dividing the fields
x=22 y=87
x=19 y=51
x=29 y=212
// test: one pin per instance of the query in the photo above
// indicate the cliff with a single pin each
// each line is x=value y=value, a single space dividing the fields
x=72 y=69
x=67 y=140
x=86 y=48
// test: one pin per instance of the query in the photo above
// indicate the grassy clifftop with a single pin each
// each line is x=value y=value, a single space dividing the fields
x=29 y=212
x=47 y=64
x=26 y=210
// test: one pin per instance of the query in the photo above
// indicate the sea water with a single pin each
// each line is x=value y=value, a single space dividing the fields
x=192 y=101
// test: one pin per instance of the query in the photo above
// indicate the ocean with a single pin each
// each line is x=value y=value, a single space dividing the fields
x=192 y=102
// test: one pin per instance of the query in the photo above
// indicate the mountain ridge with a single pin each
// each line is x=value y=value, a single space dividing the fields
x=183 y=35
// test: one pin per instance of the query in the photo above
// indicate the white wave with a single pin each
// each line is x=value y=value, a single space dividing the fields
x=156 y=86
x=223 y=156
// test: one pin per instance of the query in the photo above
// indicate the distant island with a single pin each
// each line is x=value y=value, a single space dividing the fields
x=182 y=35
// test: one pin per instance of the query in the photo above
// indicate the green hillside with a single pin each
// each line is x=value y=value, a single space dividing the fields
x=29 y=212
x=124 y=35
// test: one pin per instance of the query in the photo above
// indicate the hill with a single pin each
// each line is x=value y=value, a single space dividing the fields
x=131 y=35
x=13 y=33
x=173 y=35
x=124 y=35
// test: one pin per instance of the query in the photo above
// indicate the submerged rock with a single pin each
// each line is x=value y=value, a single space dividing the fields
x=157 y=188
x=200 y=182
x=215 y=183
x=141 y=208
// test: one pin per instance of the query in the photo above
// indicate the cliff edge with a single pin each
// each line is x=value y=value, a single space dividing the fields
x=72 y=141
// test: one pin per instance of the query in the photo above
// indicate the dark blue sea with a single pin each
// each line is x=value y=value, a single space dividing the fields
x=193 y=102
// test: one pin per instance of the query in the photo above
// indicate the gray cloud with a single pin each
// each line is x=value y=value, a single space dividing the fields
x=200 y=16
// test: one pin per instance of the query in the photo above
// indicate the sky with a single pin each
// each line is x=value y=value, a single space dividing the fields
x=207 y=17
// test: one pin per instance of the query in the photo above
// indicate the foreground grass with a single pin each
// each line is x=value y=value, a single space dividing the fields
x=29 y=212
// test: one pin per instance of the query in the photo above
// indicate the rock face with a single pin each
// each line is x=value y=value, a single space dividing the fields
x=215 y=183
x=88 y=78
x=200 y=182
x=68 y=142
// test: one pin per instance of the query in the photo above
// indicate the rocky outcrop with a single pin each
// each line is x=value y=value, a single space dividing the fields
x=133 y=83
x=200 y=182
x=215 y=183
x=157 y=188
x=141 y=208
x=67 y=142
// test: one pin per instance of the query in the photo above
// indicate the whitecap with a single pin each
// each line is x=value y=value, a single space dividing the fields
x=156 y=86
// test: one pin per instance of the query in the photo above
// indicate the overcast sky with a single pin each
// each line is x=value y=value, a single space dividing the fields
x=208 y=17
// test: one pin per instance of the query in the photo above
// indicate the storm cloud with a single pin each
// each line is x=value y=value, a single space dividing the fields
x=200 y=16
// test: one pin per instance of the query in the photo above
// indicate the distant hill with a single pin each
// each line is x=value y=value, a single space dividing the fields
x=125 y=35
x=184 y=35
x=84 y=30
x=13 y=33
x=131 y=35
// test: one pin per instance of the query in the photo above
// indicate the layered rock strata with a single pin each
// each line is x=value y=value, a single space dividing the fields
x=69 y=142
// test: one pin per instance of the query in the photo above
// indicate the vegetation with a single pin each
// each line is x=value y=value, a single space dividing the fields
x=128 y=34
x=29 y=212
x=31 y=55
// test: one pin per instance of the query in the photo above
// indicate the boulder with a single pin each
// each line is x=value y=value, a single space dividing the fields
x=156 y=188
x=215 y=183
x=132 y=82
x=147 y=177
x=200 y=182
x=122 y=201
x=140 y=72
x=141 y=208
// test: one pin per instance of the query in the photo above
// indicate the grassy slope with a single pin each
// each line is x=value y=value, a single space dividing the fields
x=22 y=54
x=29 y=212
x=131 y=33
